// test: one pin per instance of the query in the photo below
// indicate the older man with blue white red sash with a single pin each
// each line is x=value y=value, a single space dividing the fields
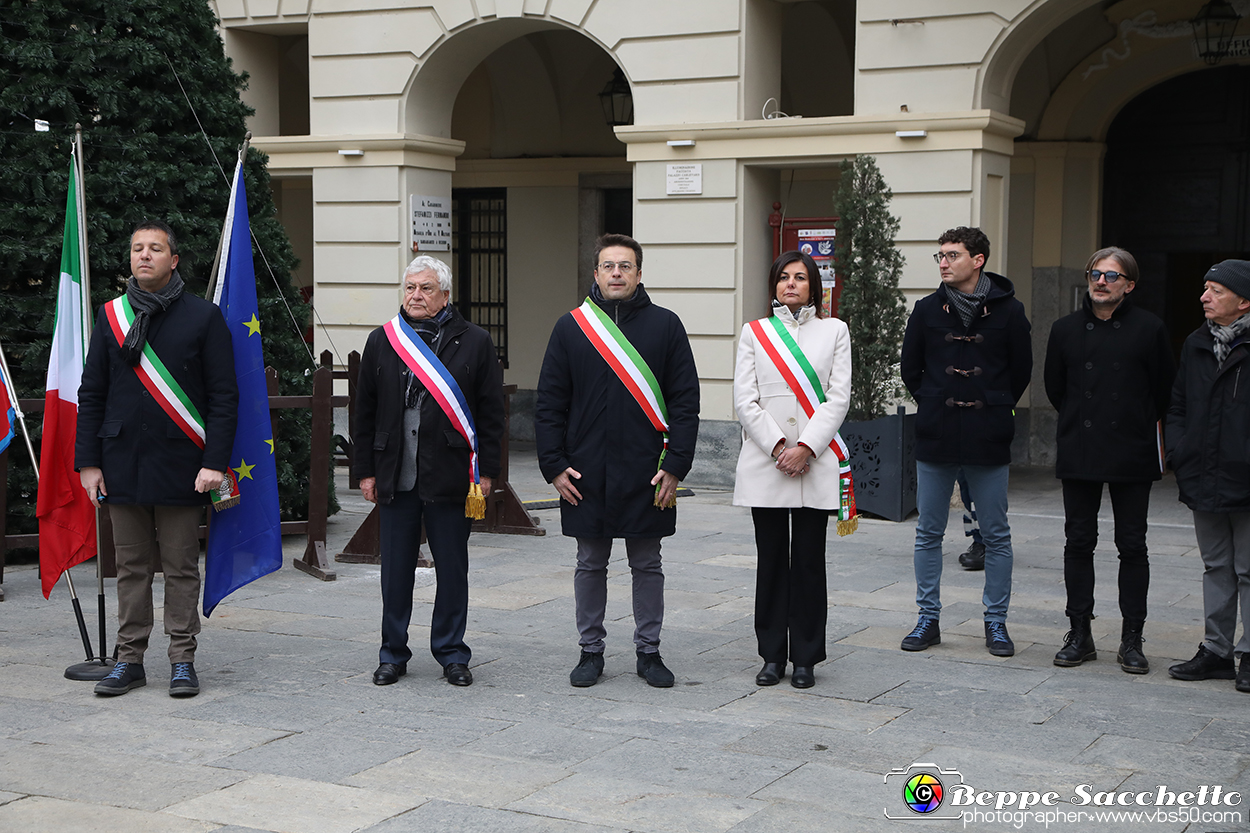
x=616 y=421
x=429 y=426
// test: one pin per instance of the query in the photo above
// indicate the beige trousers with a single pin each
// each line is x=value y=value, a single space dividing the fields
x=144 y=537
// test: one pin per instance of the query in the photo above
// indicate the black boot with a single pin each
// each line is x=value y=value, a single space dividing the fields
x=1131 y=658
x=1078 y=644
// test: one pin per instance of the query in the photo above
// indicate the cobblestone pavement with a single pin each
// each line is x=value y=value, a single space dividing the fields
x=290 y=734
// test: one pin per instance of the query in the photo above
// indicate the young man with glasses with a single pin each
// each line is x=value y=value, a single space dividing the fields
x=1108 y=373
x=616 y=421
x=967 y=357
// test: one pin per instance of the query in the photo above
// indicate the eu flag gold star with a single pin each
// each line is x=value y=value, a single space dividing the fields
x=270 y=446
x=244 y=471
x=253 y=326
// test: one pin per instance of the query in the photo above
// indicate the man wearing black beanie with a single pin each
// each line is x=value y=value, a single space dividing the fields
x=1207 y=431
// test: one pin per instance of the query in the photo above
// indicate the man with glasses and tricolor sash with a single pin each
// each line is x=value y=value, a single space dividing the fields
x=428 y=434
x=616 y=422
x=157 y=410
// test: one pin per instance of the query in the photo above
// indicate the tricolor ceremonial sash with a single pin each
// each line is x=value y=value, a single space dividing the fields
x=433 y=374
x=155 y=376
x=628 y=365
x=801 y=377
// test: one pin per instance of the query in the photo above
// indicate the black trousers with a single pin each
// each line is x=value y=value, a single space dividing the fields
x=791 y=599
x=1130 y=503
x=447 y=530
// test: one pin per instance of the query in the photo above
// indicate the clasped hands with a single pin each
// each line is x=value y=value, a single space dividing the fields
x=792 y=462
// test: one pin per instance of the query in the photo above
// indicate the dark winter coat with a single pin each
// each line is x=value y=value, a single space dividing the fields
x=145 y=457
x=1208 y=427
x=967 y=380
x=1111 y=382
x=586 y=418
x=468 y=353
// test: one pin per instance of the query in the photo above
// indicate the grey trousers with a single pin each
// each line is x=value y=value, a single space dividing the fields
x=142 y=534
x=590 y=591
x=1224 y=540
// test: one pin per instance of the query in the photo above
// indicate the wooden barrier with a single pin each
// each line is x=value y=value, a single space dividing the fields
x=505 y=513
x=314 y=561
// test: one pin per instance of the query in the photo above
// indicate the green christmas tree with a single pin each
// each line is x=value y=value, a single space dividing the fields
x=162 y=121
x=871 y=303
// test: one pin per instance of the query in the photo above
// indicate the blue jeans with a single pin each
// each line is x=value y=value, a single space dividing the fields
x=934 y=484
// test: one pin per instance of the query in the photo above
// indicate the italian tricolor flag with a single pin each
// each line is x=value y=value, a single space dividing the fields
x=66 y=517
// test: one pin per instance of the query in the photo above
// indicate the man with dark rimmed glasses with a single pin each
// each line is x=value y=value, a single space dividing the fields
x=967 y=357
x=1108 y=373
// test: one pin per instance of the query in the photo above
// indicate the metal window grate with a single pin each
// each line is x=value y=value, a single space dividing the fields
x=479 y=229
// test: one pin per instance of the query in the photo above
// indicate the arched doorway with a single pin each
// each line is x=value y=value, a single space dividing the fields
x=1177 y=187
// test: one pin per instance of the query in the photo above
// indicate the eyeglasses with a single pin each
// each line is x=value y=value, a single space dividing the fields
x=608 y=266
x=949 y=257
x=1109 y=277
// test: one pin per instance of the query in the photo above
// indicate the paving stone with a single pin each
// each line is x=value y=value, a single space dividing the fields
x=445 y=815
x=1184 y=762
x=51 y=815
x=638 y=806
x=676 y=725
x=557 y=745
x=68 y=773
x=789 y=705
x=6 y=797
x=681 y=766
x=272 y=802
x=460 y=776
x=160 y=737
x=321 y=756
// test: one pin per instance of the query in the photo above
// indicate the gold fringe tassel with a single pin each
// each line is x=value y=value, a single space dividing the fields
x=847 y=527
x=475 y=503
x=219 y=505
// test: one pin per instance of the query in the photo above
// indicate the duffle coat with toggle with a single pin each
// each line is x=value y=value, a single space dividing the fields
x=966 y=380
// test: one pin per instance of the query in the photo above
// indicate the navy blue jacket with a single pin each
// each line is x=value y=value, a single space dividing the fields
x=145 y=457
x=468 y=353
x=586 y=418
x=1208 y=428
x=967 y=380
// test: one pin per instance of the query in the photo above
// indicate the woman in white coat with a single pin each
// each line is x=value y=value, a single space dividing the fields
x=787 y=472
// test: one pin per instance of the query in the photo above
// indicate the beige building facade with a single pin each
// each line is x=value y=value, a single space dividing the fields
x=1050 y=124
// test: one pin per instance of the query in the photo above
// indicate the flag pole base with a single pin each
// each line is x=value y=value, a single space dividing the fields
x=92 y=669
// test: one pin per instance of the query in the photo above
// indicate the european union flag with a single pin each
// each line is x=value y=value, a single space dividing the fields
x=244 y=541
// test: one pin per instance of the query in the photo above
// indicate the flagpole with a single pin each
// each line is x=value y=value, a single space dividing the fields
x=95 y=667
x=212 y=277
x=17 y=409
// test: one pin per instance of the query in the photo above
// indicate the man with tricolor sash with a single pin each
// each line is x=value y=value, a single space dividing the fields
x=428 y=438
x=967 y=357
x=616 y=421
x=157 y=411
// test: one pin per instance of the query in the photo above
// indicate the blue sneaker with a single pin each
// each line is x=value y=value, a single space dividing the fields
x=182 y=680
x=926 y=633
x=997 y=640
x=123 y=677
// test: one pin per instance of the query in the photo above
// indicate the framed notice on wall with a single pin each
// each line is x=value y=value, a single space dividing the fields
x=431 y=224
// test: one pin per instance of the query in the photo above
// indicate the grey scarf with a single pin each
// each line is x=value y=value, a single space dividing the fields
x=1226 y=336
x=967 y=305
x=146 y=304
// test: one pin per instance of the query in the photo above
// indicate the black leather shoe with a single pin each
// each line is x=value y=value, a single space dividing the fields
x=802 y=677
x=652 y=669
x=1204 y=666
x=1243 y=673
x=457 y=673
x=389 y=672
x=771 y=673
x=974 y=558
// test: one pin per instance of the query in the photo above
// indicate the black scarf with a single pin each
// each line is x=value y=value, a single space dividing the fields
x=146 y=304
x=429 y=329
